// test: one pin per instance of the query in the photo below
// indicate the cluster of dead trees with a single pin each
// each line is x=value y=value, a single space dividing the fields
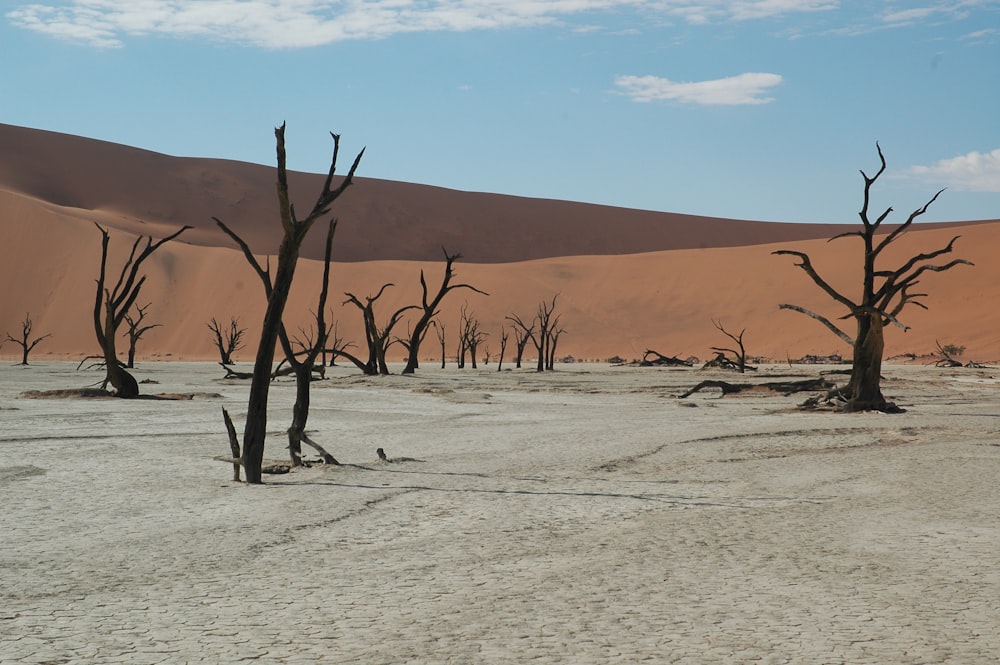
x=885 y=292
x=544 y=331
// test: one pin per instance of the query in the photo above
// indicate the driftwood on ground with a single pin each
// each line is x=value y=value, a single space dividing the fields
x=785 y=387
x=721 y=361
x=655 y=358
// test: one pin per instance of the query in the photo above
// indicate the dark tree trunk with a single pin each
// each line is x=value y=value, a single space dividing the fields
x=124 y=383
x=503 y=347
x=300 y=413
x=864 y=392
x=255 y=431
x=522 y=343
x=294 y=232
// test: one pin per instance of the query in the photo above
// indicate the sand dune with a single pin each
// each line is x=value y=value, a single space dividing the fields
x=643 y=280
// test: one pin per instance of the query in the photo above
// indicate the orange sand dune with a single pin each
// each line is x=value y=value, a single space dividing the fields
x=613 y=300
x=610 y=305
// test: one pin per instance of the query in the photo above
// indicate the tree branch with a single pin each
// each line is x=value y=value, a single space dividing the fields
x=822 y=319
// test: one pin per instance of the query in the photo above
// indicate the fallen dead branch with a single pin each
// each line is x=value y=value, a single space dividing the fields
x=784 y=387
x=655 y=358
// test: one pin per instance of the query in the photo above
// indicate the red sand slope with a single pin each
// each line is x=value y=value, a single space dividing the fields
x=627 y=280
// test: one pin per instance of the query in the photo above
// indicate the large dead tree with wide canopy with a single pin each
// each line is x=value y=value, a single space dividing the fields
x=885 y=293
x=295 y=231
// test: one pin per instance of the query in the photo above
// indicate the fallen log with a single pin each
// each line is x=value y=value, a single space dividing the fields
x=784 y=387
x=651 y=358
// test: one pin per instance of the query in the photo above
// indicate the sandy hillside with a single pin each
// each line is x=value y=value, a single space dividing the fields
x=647 y=280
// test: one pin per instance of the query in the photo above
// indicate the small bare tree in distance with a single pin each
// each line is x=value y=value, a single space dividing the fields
x=136 y=330
x=430 y=308
x=227 y=341
x=739 y=360
x=25 y=341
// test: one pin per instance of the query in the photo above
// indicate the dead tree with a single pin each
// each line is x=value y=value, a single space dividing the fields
x=504 y=336
x=377 y=339
x=439 y=329
x=136 y=330
x=554 y=333
x=523 y=333
x=784 y=387
x=295 y=231
x=334 y=341
x=543 y=341
x=946 y=359
x=739 y=354
x=471 y=337
x=111 y=306
x=227 y=341
x=653 y=358
x=25 y=342
x=885 y=293
x=430 y=309
x=302 y=364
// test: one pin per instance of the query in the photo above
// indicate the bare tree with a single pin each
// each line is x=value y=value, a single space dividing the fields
x=739 y=359
x=554 y=332
x=111 y=305
x=523 y=333
x=295 y=231
x=504 y=336
x=430 y=308
x=885 y=293
x=136 y=330
x=25 y=341
x=439 y=329
x=471 y=337
x=229 y=340
x=303 y=363
x=543 y=338
x=378 y=339
x=336 y=345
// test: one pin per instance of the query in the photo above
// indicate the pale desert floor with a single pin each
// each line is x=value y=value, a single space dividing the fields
x=580 y=516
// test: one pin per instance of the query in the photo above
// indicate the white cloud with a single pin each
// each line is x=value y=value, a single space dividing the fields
x=972 y=172
x=754 y=9
x=734 y=90
x=301 y=23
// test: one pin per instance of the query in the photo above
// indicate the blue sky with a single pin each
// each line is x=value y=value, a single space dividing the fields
x=750 y=109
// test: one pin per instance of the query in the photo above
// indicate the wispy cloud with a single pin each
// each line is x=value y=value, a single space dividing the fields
x=971 y=172
x=743 y=89
x=302 y=23
x=933 y=10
